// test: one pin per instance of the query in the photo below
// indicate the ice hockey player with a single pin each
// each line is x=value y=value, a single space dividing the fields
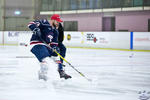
x=45 y=31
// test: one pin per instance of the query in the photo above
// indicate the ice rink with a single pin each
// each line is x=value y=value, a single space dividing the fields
x=116 y=75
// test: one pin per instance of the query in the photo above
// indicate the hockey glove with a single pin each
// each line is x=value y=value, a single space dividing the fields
x=55 y=48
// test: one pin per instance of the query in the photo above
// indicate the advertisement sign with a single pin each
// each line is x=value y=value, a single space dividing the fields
x=73 y=38
x=141 y=39
x=119 y=40
x=11 y=37
x=97 y=38
x=87 y=39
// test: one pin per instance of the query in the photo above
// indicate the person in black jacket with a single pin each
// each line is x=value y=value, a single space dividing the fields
x=61 y=46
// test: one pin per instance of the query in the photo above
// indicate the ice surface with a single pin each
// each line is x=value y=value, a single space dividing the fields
x=116 y=75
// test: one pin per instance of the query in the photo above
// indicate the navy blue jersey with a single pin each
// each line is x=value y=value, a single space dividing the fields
x=48 y=33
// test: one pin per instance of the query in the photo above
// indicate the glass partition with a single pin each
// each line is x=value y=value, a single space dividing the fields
x=58 y=5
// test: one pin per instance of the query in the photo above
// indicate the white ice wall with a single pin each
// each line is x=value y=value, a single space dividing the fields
x=1 y=38
x=11 y=37
x=141 y=40
x=118 y=40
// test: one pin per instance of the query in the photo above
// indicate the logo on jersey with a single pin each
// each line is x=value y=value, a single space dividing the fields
x=37 y=24
x=50 y=37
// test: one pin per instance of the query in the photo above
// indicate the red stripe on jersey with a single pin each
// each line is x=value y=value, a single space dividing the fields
x=35 y=42
x=31 y=23
x=53 y=43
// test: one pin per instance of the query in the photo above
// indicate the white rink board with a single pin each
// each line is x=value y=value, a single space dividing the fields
x=24 y=43
x=116 y=40
x=141 y=40
x=11 y=37
x=24 y=37
x=75 y=40
x=119 y=40
x=1 y=38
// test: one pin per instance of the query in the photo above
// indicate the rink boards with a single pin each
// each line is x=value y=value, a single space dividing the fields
x=114 y=40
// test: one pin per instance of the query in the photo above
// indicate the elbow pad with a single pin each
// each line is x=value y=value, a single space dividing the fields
x=37 y=32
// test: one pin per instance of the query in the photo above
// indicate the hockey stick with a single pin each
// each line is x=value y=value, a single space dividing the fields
x=24 y=44
x=72 y=66
x=66 y=60
x=37 y=31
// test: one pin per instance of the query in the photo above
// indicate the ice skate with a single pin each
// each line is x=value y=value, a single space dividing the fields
x=63 y=74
